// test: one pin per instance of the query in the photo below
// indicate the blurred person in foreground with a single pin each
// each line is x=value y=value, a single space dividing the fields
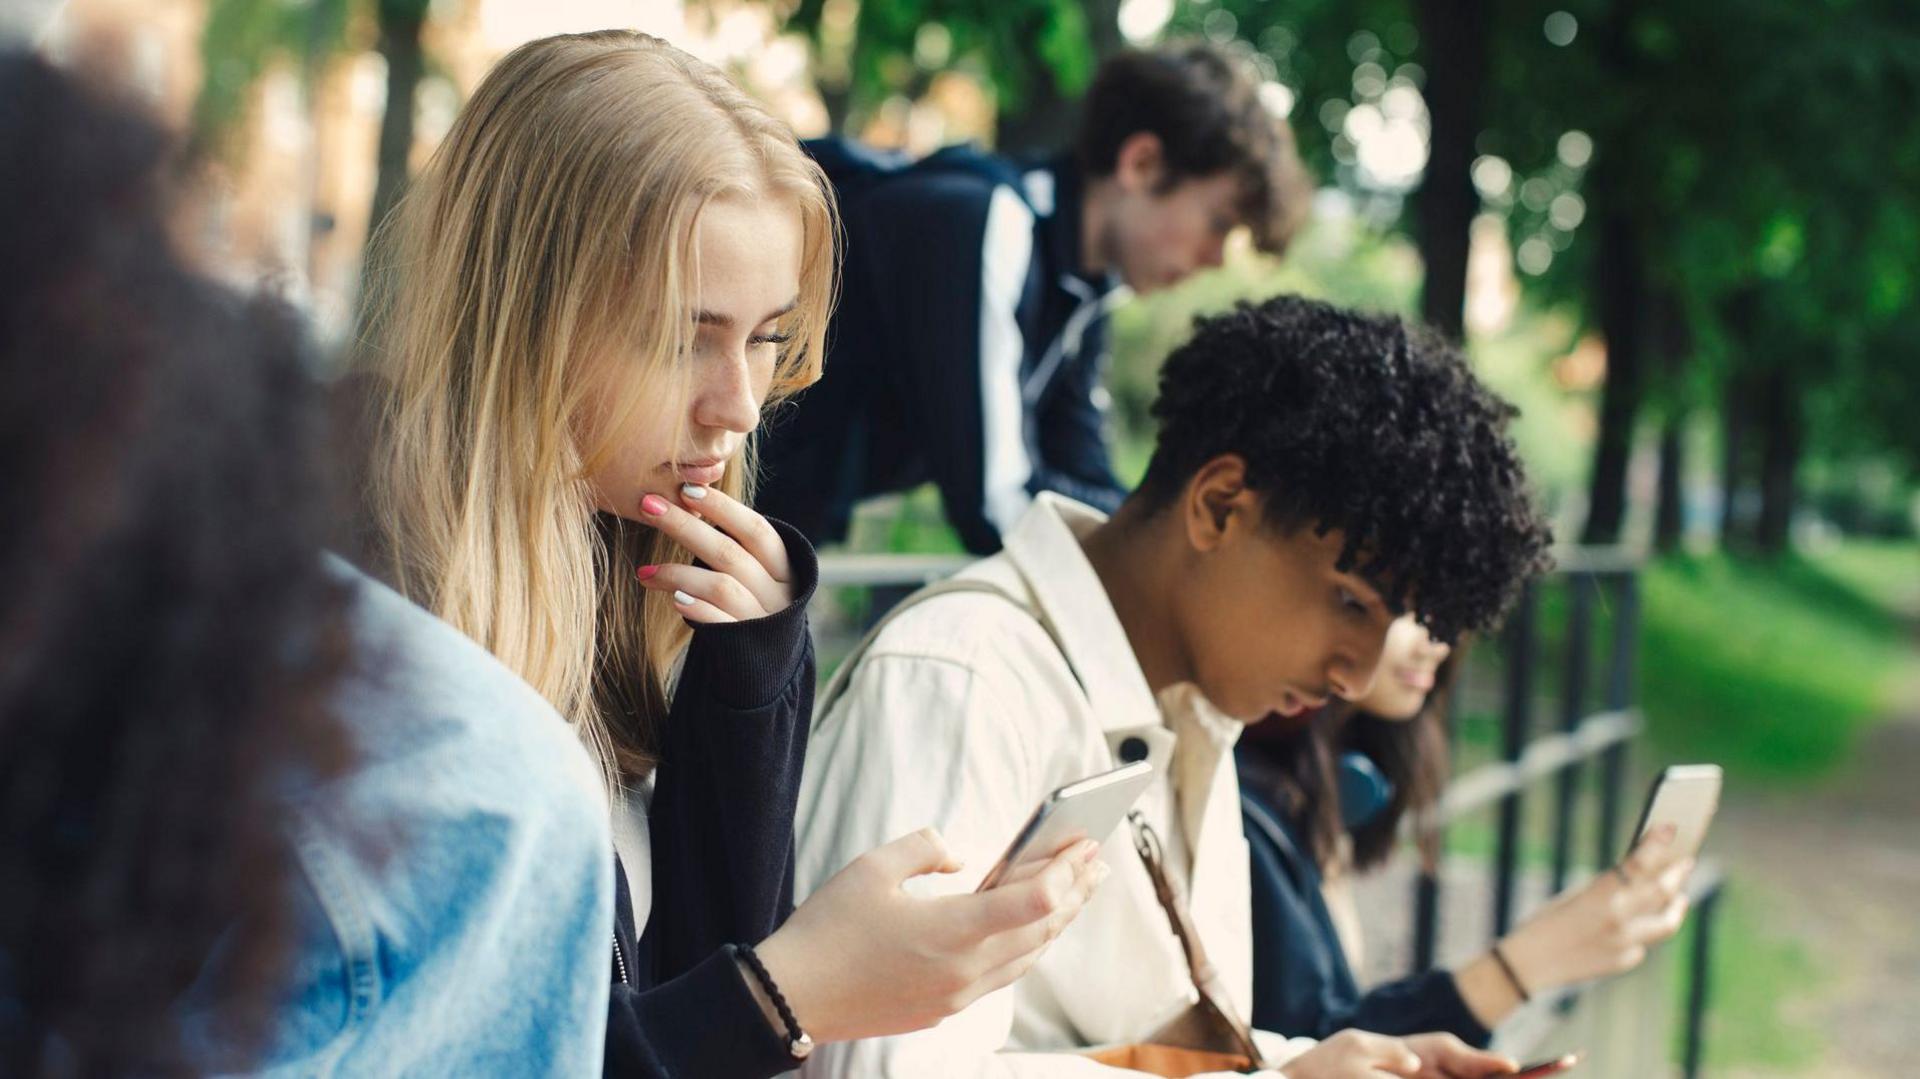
x=248 y=820
x=970 y=345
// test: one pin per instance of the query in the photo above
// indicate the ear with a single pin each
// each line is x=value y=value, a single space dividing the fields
x=1218 y=505
x=1141 y=165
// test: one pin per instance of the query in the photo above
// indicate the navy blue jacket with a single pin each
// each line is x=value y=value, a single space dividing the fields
x=967 y=349
x=1302 y=986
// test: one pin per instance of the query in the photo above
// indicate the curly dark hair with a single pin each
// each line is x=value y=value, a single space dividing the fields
x=1202 y=101
x=1363 y=424
x=169 y=636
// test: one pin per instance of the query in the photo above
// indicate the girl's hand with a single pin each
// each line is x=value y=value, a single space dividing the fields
x=747 y=574
x=861 y=958
x=1606 y=926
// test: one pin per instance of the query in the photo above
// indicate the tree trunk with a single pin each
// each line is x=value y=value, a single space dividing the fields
x=1621 y=292
x=1779 y=461
x=1044 y=123
x=1453 y=36
x=1674 y=342
x=400 y=23
x=1669 y=520
x=1733 y=448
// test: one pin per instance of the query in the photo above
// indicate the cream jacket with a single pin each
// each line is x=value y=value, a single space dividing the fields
x=963 y=715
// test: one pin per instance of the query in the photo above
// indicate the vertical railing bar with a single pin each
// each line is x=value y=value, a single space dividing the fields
x=1513 y=739
x=1573 y=706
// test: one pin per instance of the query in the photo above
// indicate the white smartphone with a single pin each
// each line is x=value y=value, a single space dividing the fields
x=1088 y=809
x=1685 y=796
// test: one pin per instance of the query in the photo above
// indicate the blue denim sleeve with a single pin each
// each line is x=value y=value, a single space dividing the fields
x=458 y=887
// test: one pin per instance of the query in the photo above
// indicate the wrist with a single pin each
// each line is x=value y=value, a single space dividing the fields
x=769 y=996
x=1486 y=990
x=782 y=957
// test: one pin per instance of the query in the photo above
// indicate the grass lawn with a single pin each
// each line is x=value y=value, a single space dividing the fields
x=1774 y=668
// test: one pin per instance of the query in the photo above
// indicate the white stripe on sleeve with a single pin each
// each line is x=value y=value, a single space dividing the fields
x=1006 y=253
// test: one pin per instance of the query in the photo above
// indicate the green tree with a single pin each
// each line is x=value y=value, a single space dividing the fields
x=244 y=38
x=1038 y=55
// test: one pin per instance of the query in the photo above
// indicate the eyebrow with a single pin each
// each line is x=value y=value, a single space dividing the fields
x=715 y=318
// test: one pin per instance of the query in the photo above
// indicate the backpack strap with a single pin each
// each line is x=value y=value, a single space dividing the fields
x=843 y=677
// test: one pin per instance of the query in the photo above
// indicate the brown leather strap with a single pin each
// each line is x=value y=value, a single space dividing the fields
x=1206 y=977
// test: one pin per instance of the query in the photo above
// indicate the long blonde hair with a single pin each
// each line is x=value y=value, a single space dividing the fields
x=552 y=232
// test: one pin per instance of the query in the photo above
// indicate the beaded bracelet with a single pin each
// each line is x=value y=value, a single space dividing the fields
x=799 y=1045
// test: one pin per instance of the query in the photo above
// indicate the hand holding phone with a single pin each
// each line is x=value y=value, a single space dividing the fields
x=1686 y=797
x=1089 y=809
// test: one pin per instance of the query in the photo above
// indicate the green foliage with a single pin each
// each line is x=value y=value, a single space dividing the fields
x=1755 y=148
x=897 y=46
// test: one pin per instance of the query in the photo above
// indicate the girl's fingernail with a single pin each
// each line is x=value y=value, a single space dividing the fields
x=654 y=504
x=682 y=598
x=644 y=572
x=693 y=491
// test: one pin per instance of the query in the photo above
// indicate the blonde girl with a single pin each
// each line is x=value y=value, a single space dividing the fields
x=614 y=265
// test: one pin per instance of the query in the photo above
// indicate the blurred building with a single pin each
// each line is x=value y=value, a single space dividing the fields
x=288 y=185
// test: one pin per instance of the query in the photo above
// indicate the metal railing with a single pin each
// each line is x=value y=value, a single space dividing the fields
x=1583 y=737
x=1602 y=737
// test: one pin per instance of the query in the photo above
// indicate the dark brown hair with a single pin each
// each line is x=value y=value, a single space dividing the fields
x=1203 y=104
x=1297 y=768
x=169 y=638
x=1413 y=754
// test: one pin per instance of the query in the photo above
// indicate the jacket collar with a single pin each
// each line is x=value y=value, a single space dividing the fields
x=1057 y=193
x=1044 y=546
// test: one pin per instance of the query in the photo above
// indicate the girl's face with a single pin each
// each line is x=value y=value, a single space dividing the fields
x=747 y=280
x=1408 y=666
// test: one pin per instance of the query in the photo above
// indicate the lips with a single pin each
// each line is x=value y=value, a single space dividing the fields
x=1415 y=679
x=705 y=473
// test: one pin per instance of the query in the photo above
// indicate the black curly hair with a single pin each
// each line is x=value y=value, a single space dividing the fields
x=169 y=638
x=1362 y=424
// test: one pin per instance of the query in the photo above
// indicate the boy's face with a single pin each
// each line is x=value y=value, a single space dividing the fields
x=1161 y=238
x=1158 y=235
x=1267 y=621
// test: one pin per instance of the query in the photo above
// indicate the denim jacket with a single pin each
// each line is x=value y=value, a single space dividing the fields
x=455 y=901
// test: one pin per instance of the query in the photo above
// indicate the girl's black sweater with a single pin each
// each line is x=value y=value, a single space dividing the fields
x=721 y=828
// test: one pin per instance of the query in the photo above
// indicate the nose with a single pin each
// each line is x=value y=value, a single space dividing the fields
x=725 y=396
x=1350 y=674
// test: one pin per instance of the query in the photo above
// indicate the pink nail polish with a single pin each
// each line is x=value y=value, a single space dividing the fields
x=654 y=504
x=646 y=572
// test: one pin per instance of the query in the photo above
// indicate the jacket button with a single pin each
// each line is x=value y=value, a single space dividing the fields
x=1133 y=749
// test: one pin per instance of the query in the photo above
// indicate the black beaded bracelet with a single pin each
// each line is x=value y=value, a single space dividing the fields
x=799 y=1045
x=1513 y=976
